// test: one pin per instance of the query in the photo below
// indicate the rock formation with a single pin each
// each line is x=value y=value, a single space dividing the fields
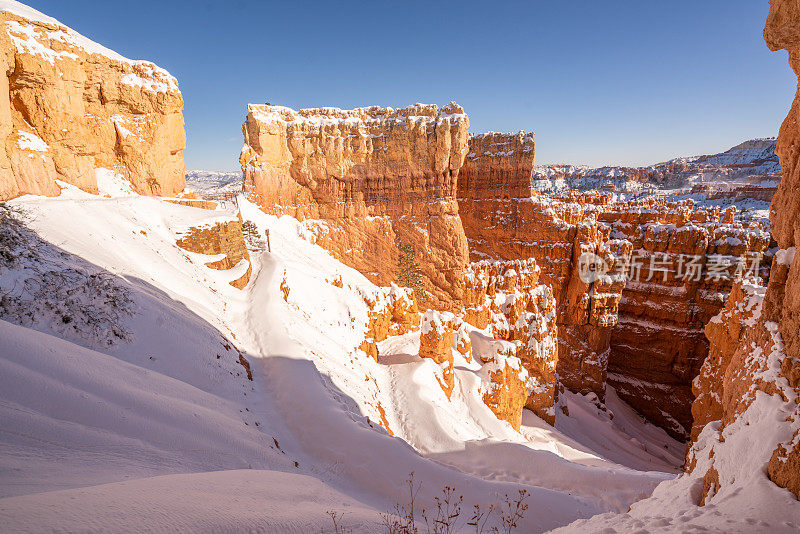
x=505 y=383
x=496 y=167
x=74 y=106
x=684 y=262
x=643 y=326
x=753 y=373
x=392 y=312
x=221 y=238
x=518 y=318
x=372 y=179
x=436 y=343
x=504 y=219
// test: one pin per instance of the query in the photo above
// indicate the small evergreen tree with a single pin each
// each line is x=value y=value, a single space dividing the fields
x=250 y=231
x=408 y=271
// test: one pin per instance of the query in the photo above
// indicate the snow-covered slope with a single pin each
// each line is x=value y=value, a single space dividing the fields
x=88 y=422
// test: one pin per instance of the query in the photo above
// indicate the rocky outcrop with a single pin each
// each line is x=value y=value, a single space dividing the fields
x=369 y=180
x=557 y=234
x=753 y=374
x=436 y=343
x=392 y=312
x=517 y=316
x=505 y=383
x=684 y=262
x=640 y=315
x=74 y=106
x=498 y=166
x=223 y=238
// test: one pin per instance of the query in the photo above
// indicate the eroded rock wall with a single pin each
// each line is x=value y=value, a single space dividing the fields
x=684 y=262
x=74 y=106
x=517 y=316
x=367 y=180
x=642 y=321
x=753 y=373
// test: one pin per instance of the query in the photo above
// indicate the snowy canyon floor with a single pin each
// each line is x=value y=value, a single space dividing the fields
x=160 y=429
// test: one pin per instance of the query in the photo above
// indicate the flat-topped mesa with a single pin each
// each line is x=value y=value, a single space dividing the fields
x=498 y=166
x=373 y=179
x=74 y=106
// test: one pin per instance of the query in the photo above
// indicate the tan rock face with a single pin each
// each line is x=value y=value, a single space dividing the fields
x=436 y=343
x=372 y=179
x=221 y=238
x=504 y=383
x=74 y=106
x=498 y=166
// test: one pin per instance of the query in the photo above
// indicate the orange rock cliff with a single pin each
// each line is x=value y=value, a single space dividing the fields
x=374 y=178
x=74 y=106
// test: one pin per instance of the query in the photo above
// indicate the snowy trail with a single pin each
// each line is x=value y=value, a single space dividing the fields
x=315 y=399
x=344 y=449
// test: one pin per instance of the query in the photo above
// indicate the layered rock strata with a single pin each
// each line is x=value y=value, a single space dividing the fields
x=641 y=317
x=74 y=107
x=496 y=167
x=684 y=262
x=368 y=181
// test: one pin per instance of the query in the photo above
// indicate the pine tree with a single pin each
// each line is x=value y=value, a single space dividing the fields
x=408 y=271
x=250 y=231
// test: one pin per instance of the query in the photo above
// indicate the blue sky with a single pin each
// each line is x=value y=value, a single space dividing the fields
x=599 y=82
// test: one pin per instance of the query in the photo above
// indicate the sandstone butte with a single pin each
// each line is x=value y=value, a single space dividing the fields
x=374 y=179
x=755 y=340
x=74 y=106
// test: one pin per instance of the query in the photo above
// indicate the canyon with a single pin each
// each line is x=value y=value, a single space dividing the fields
x=668 y=265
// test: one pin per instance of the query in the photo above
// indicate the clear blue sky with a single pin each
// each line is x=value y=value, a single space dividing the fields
x=599 y=82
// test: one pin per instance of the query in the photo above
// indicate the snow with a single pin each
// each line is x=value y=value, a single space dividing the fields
x=29 y=141
x=155 y=426
x=785 y=256
x=112 y=184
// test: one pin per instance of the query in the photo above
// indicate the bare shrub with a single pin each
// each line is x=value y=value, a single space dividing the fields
x=336 y=518
x=501 y=517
